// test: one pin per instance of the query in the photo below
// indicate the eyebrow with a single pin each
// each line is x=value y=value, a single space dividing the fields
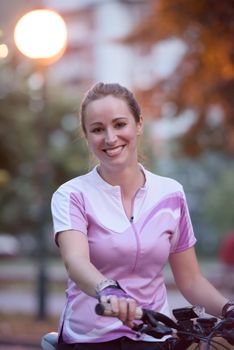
x=114 y=120
x=96 y=123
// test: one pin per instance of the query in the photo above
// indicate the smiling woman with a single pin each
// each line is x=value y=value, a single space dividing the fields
x=111 y=133
x=117 y=227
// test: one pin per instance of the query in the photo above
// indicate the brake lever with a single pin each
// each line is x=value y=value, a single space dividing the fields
x=152 y=318
x=157 y=331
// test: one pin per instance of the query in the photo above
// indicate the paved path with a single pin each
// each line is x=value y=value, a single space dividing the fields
x=18 y=347
x=26 y=270
x=25 y=302
x=17 y=295
x=18 y=291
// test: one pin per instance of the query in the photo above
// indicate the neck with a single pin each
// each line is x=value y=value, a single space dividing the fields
x=130 y=179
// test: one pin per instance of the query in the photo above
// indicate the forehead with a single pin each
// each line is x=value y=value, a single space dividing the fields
x=110 y=105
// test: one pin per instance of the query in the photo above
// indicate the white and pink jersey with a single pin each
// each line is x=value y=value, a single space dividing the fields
x=134 y=252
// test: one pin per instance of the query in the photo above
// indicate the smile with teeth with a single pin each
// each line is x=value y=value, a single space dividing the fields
x=111 y=152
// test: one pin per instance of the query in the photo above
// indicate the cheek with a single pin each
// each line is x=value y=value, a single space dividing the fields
x=130 y=133
x=132 y=136
x=93 y=143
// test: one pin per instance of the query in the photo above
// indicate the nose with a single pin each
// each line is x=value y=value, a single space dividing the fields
x=110 y=136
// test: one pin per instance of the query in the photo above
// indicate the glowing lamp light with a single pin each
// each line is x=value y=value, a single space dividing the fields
x=41 y=35
x=3 y=51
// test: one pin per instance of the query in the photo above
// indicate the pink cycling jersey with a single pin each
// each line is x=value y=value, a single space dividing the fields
x=134 y=252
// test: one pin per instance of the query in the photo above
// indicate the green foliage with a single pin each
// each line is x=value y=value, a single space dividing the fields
x=219 y=203
x=39 y=146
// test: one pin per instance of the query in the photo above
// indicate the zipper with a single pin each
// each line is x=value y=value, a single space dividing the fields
x=137 y=244
x=131 y=219
x=135 y=232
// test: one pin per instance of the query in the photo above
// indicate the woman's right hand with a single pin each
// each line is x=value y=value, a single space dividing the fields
x=123 y=307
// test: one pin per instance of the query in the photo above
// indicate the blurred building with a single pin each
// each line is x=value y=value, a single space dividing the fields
x=94 y=28
x=94 y=51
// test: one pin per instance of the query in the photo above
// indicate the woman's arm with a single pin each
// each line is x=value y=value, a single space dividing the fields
x=75 y=254
x=193 y=285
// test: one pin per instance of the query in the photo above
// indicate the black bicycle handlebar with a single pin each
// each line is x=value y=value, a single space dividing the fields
x=148 y=316
x=189 y=327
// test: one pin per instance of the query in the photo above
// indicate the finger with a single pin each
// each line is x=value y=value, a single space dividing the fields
x=114 y=304
x=123 y=309
x=132 y=305
x=129 y=324
x=105 y=299
x=131 y=312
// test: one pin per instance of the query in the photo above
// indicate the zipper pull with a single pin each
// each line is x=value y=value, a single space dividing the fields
x=132 y=218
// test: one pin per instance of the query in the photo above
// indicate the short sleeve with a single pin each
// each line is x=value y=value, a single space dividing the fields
x=68 y=212
x=183 y=237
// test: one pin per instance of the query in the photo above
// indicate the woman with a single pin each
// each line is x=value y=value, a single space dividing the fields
x=116 y=227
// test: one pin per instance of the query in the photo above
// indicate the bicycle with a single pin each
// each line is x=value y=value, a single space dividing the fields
x=189 y=327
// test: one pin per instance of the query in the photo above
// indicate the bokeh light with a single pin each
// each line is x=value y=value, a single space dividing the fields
x=3 y=51
x=41 y=35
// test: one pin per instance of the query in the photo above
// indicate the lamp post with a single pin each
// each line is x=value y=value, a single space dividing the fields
x=41 y=36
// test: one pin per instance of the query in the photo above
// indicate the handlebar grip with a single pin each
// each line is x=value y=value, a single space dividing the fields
x=104 y=309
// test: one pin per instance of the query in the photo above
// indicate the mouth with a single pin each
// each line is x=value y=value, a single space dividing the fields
x=114 y=151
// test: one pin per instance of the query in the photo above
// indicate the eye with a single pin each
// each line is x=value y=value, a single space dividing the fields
x=97 y=130
x=120 y=125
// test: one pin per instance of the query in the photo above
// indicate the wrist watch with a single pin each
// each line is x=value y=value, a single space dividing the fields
x=104 y=284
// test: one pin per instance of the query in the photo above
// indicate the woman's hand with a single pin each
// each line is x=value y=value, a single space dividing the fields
x=122 y=307
x=121 y=304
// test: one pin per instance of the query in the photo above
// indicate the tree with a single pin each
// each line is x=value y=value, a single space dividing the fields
x=219 y=203
x=204 y=79
x=20 y=142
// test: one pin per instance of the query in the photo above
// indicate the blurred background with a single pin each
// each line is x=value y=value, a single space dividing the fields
x=178 y=58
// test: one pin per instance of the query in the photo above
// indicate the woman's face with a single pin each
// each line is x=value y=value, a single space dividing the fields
x=111 y=132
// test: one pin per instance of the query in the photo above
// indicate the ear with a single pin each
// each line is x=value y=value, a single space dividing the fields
x=140 y=126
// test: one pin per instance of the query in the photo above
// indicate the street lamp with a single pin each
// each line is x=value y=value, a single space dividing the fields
x=41 y=36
